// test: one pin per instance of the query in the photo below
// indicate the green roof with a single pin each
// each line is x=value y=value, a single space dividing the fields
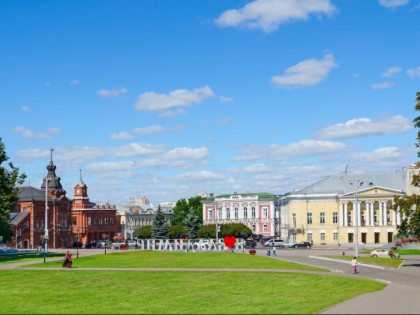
x=262 y=195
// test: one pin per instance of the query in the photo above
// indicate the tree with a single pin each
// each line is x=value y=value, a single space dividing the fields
x=410 y=205
x=235 y=229
x=177 y=231
x=9 y=193
x=160 y=228
x=192 y=224
x=145 y=232
x=182 y=209
x=207 y=231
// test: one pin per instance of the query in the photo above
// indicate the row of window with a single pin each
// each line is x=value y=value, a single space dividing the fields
x=309 y=217
x=236 y=213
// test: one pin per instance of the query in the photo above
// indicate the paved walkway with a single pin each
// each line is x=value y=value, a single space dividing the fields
x=401 y=296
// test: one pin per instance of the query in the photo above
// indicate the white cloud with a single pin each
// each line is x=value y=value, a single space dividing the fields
x=391 y=72
x=268 y=15
x=306 y=73
x=386 y=153
x=30 y=134
x=149 y=130
x=187 y=154
x=258 y=169
x=26 y=109
x=382 y=85
x=304 y=148
x=114 y=92
x=173 y=100
x=74 y=82
x=226 y=99
x=198 y=176
x=414 y=72
x=120 y=136
x=392 y=4
x=361 y=127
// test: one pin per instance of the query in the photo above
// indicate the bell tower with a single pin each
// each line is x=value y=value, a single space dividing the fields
x=81 y=199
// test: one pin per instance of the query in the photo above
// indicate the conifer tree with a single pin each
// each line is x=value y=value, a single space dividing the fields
x=160 y=229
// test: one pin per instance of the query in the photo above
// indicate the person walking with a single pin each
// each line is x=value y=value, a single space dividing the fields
x=68 y=261
x=274 y=250
x=354 y=265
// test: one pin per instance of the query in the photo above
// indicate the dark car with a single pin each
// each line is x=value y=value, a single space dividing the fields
x=303 y=245
x=250 y=243
x=77 y=244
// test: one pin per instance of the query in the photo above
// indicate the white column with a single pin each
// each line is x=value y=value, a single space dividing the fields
x=341 y=214
x=398 y=216
x=372 y=212
x=385 y=213
x=345 y=215
x=380 y=220
x=367 y=214
x=359 y=217
x=394 y=216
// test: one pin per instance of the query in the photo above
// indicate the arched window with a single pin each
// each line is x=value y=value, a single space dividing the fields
x=245 y=213
x=253 y=212
x=220 y=213
x=227 y=213
x=236 y=213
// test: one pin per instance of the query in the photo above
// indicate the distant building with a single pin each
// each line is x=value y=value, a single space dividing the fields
x=28 y=222
x=325 y=212
x=258 y=211
x=92 y=222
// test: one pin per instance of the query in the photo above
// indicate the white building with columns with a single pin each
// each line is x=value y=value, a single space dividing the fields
x=334 y=209
x=258 y=211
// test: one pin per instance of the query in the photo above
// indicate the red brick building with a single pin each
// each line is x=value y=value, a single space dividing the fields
x=92 y=222
x=28 y=222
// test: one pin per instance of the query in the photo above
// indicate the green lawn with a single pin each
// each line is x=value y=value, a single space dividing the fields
x=163 y=259
x=78 y=291
x=13 y=258
x=408 y=251
x=380 y=261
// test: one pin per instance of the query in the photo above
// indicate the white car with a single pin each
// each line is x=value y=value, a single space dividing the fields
x=274 y=242
x=381 y=252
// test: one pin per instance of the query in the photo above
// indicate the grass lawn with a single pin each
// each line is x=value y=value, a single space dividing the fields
x=164 y=259
x=69 y=291
x=12 y=258
x=77 y=291
x=408 y=251
x=381 y=261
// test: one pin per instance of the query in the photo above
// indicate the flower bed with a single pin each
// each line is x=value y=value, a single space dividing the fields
x=123 y=246
x=252 y=251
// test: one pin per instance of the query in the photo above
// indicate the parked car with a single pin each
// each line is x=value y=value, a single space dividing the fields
x=274 y=242
x=250 y=243
x=131 y=243
x=303 y=245
x=117 y=244
x=383 y=252
x=77 y=244
x=288 y=245
x=264 y=239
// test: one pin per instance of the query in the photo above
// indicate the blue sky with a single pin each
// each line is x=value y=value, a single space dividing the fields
x=169 y=99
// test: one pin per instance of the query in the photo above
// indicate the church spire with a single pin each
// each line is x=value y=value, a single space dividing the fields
x=54 y=184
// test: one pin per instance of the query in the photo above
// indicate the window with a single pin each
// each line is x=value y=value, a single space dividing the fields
x=236 y=213
x=265 y=213
x=322 y=218
x=89 y=221
x=211 y=214
x=335 y=235
x=309 y=218
x=253 y=212
x=220 y=213
x=294 y=220
x=322 y=236
x=335 y=217
x=309 y=237
x=245 y=213
x=265 y=228
x=227 y=213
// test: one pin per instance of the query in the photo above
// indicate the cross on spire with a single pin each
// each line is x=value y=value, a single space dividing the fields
x=51 y=149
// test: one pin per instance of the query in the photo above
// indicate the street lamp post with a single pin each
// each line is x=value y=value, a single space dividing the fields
x=77 y=243
x=356 y=217
x=45 y=240
x=104 y=236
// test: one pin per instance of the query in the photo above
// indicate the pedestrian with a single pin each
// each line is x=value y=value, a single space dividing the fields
x=68 y=261
x=354 y=264
x=274 y=250
x=268 y=251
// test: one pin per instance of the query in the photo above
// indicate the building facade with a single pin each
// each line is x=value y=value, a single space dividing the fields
x=92 y=222
x=43 y=214
x=258 y=211
x=333 y=210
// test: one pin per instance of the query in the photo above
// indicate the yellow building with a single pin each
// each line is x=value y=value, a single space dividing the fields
x=342 y=209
